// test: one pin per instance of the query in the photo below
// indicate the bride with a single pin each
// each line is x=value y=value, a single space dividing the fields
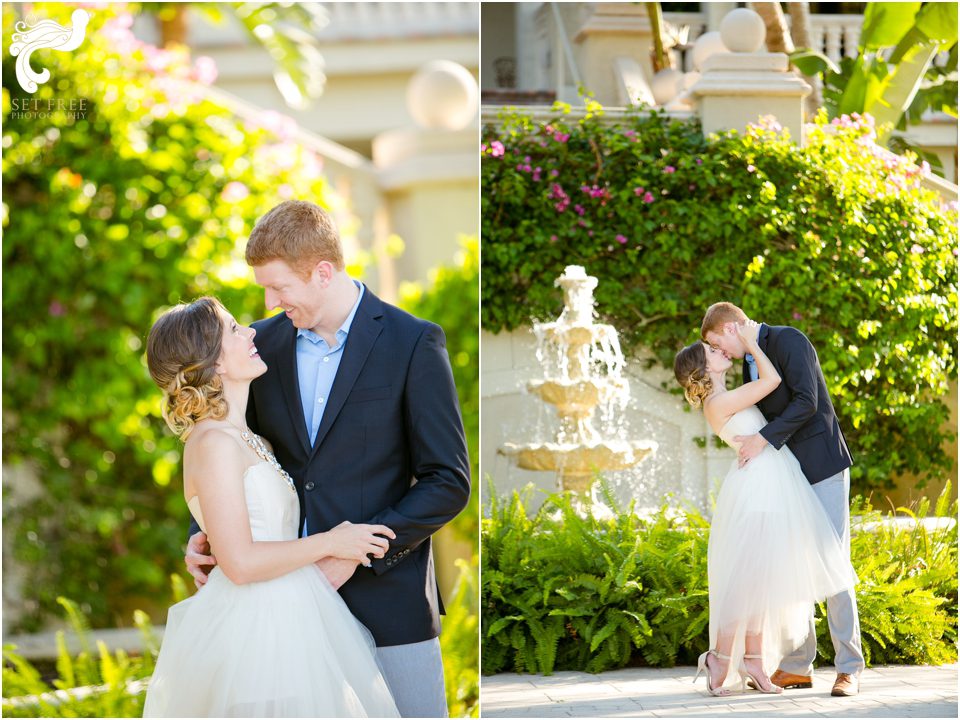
x=267 y=636
x=772 y=549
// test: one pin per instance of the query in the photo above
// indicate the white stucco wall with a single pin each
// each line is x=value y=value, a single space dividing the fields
x=680 y=466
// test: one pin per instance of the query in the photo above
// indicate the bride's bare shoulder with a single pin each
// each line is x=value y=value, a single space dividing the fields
x=209 y=442
x=715 y=414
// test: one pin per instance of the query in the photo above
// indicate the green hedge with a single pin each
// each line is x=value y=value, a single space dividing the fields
x=144 y=201
x=837 y=238
x=574 y=589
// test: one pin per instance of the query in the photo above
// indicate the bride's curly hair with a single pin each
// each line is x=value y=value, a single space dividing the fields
x=690 y=369
x=182 y=352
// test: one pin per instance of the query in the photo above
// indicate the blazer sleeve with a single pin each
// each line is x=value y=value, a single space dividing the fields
x=438 y=452
x=797 y=361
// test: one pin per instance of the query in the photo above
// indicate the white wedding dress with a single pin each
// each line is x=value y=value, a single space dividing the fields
x=772 y=553
x=286 y=647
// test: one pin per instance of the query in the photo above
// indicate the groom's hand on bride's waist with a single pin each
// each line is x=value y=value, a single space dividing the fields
x=199 y=559
x=337 y=570
x=750 y=447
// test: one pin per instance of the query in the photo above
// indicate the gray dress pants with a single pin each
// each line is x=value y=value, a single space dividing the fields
x=834 y=494
x=414 y=674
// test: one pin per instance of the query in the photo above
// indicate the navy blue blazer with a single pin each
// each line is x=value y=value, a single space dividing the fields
x=390 y=450
x=799 y=412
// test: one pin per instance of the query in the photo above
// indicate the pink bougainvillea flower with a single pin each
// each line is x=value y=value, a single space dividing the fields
x=205 y=70
x=234 y=192
x=648 y=197
x=669 y=169
x=282 y=126
x=497 y=149
x=621 y=239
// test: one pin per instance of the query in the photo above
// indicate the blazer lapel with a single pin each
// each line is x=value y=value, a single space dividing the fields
x=364 y=331
x=290 y=382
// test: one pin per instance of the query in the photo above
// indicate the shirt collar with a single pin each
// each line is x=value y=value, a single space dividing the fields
x=344 y=329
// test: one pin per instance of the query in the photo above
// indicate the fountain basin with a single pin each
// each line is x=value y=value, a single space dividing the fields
x=577 y=335
x=575 y=463
x=577 y=398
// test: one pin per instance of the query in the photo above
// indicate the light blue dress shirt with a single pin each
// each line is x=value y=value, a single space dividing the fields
x=317 y=365
x=752 y=366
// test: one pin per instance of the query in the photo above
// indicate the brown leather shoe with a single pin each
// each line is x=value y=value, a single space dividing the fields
x=846 y=685
x=786 y=680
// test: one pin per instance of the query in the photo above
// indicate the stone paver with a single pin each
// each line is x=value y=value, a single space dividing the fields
x=892 y=691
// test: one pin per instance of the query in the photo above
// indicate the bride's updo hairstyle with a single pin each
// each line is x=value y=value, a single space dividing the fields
x=690 y=369
x=182 y=352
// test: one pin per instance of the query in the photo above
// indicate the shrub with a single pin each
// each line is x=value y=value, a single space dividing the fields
x=108 y=218
x=577 y=588
x=838 y=238
x=460 y=646
x=110 y=680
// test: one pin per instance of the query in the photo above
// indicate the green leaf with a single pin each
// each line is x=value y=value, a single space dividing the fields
x=884 y=23
x=938 y=21
x=899 y=89
x=812 y=62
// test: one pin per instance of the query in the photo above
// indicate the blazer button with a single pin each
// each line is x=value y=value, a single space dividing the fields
x=309 y=486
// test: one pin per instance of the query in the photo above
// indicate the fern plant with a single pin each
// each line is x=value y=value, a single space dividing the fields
x=570 y=587
x=91 y=684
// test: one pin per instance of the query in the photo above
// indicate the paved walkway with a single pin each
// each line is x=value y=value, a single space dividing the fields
x=886 y=691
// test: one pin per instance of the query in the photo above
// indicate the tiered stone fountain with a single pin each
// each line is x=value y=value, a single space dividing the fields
x=583 y=367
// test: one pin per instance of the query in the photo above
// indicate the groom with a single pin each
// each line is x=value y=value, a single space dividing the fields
x=800 y=415
x=359 y=404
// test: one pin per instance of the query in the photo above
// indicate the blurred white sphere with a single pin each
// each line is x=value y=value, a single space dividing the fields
x=742 y=31
x=442 y=95
x=706 y=45
x=666 y=85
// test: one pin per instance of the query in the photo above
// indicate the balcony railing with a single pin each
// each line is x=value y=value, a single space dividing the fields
x=836 y=36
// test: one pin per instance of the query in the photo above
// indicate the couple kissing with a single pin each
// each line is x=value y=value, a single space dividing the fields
x=779 y=537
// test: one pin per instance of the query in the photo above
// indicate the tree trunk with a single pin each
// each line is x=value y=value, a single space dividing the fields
x=173 y=24
x=801 y=33
x=658 y=56
x=778 y=36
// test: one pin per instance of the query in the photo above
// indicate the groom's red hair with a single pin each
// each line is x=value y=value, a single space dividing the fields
x=299 y=233
x=718 y=315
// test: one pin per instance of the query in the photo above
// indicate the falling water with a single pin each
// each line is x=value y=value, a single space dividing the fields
x=583 y=378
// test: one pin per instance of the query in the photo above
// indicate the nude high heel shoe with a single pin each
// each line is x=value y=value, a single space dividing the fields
x=702 y=667
x=744 y=674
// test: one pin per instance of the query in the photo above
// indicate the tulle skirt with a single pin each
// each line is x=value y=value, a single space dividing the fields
x=287 y=647
x=773 y=553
